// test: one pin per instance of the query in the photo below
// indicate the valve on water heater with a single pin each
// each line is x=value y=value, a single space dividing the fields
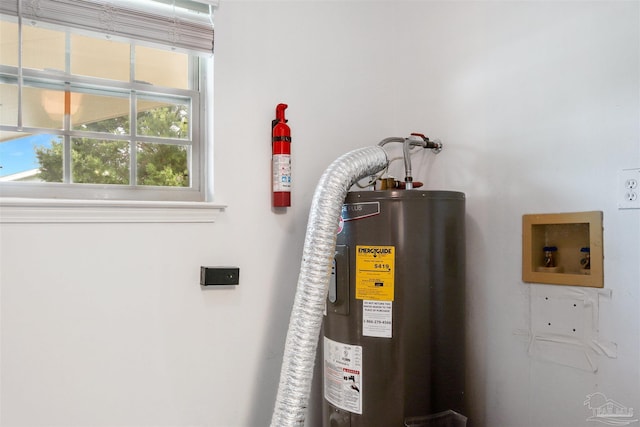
x=435 y=145
x=414 y=140
x=390 y=183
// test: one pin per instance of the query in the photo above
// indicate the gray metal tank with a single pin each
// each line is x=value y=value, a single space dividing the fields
x=393 y=345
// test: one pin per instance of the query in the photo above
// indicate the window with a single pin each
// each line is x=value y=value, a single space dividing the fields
x=118 y=113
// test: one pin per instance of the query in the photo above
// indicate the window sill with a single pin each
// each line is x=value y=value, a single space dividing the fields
x=18 y=211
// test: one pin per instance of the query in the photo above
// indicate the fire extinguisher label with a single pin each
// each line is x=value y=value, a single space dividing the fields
x=377 y=319
x=343 y=375
x=282 y=172
x=375 y=272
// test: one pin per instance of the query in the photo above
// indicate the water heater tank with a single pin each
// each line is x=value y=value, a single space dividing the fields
x=393 y=344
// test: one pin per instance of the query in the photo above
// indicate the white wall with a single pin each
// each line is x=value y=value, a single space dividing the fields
x=538 y=105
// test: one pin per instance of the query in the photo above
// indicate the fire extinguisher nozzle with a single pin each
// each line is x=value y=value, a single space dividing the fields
x=280 y=112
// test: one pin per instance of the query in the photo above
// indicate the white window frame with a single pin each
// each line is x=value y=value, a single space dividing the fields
x=20 y=197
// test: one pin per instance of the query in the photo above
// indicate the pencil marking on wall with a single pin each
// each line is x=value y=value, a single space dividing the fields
x=564 y=326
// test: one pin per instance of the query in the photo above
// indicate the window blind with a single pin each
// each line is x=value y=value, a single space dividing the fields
x=184 y=24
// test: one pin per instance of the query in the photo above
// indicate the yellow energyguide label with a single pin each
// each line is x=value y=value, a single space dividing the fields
x=375 y=272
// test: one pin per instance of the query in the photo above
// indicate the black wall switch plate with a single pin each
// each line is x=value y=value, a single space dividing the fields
x=216 y=276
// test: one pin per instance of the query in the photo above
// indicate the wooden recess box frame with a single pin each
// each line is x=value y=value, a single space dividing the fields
x=569 y=233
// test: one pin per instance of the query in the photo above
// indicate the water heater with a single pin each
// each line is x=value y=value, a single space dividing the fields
x=393 y=333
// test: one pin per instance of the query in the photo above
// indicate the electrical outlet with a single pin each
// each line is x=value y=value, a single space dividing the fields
x=629 y=189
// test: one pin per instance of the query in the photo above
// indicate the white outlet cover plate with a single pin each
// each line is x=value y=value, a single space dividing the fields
x=628 y=190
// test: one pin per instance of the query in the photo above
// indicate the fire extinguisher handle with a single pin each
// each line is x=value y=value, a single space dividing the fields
x=280 y=113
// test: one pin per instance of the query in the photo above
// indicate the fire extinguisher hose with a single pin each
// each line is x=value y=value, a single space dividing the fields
x=313 y=281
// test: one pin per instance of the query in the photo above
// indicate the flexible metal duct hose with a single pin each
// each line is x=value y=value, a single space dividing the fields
x=313 y=282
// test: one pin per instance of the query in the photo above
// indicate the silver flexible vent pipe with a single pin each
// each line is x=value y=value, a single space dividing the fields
x=313 y=282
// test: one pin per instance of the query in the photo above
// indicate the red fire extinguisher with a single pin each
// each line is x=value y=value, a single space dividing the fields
x=281 y=158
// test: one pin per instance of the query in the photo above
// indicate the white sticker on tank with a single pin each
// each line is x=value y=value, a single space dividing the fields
x=343 y=375
x=377 y=318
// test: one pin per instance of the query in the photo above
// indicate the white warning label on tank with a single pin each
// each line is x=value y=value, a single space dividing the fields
x=377 y=318
x=343 y=375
